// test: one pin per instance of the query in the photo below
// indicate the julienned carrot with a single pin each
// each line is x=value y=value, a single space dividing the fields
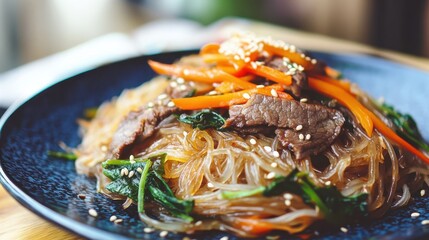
x=270 y=73
x=198 y=74
x=293 y=56
x=254 y=225
x=210 y=48
x=347 y=100
x=339 y=83
x=331 y=72
x=225 y=100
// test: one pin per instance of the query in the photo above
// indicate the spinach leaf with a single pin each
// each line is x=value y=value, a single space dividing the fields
x=406 y=126
x=336 y=208
x=203 y=120
x=63 y=155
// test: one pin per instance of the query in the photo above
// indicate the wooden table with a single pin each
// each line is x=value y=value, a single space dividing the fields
x=19 y=223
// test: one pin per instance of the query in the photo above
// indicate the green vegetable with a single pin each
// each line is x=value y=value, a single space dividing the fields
x=64 y=155
x=336 y=208
x=145 y=186
x=406 y=126
x=203 y=120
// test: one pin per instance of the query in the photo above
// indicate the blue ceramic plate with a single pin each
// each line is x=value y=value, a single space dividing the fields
x=49 y=187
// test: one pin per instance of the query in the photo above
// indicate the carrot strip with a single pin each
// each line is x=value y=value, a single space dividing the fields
x=271 y=74
x=254 y=225
x=331 y=72
x=211 y=48
x=215 y=58
x=293 y=56
x=225 y=100
x=339 y=83
x=347 y=100
x=204 y=75
x=248 y=77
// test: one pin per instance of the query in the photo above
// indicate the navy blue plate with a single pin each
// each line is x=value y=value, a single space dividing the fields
x=49 y=187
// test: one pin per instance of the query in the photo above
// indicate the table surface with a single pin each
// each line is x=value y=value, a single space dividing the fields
x=19 y=223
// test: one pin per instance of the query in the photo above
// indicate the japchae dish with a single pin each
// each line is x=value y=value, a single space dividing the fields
x=249 y=136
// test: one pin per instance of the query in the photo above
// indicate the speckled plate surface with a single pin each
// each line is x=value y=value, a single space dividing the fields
x=49 y=187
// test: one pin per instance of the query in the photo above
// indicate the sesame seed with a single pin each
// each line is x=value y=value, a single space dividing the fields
x=186 y=238
x=139 y=170
x=148 y=230
x=122 y=172
x=104 y=148
x=163 y=234
x=180 y=80
x=422 y=192
x=81 y=196
x=173 y=84
x=276 y=154
x=302 y=55
x=425 y=222
x=288 y=196
x=117 y=221
x=185 y=133
x=307 y=58
x=171 y=104
x=224 y=238
x=182 y=87
x=270 y=175
x=198 y=223
x=299 y=127
x=303 y=100
x=186 y=72
x=267 y=148
x=247 y=59
x=92 y=212
x=327 y=183
x=274 y=164
x=274 y=93
x=260 y=86
x=125 y=171
x=252 y=141
x=313 y=61
x=246 y=95
x=162 y=96
x=131 y=157
x=213 y=93
x=344 y=230
x=150 y=104
x=415 y=215
x=301 y=136
x=307 y=137
x=131 y=174
x=210 y=185
x=288 y=202
x=113 y=218
x=254 y=65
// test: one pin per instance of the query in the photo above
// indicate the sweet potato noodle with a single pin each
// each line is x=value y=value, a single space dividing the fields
x=201 y=164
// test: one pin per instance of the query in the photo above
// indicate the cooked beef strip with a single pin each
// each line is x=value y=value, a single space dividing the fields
x=299 y=79
x=141 y=124
x=323 y=124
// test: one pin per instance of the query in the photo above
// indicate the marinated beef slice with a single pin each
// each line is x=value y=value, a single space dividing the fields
x=299 y=79
x=139 y=125
x=320 y=124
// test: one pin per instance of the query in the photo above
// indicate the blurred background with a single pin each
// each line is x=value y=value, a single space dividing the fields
x=31 y=30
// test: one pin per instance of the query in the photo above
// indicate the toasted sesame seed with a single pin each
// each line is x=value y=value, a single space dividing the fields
x=254 y=65
x=182 y=87
x=313 y=61
x=173 y=84
x=162 y=96
x=422 y=192
x=288 y=202
x=276 y=154
x=122 y=172
x=307 y=58
x=274 y=164
x=131 y=174
x=252 y=141
x=117 y=221
x=163 y=234
x=186 y=72
x=307 y=137
x=210 y=185
x=92 y=212
x=425 y=222
x=171 y=104
x=213 y=93
x=327 y=183
x=301 y=136
x=267 y=148
x=180 y=80
x=113 y=218
x=299 y=127
x=303 y=100
x=148 y=230
x=198 y=223
x=344 y=230
x=139 y=170
x=131 y=157
x=104 y=148
x=246 y=95
x=415 y=215
x=125 y=171
x=260 y=86
x=274 y=93
x=224 y=238
x=150 y=104
x=185 y=133
x=302 y=55
x=288 y=196
x=270 y=175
